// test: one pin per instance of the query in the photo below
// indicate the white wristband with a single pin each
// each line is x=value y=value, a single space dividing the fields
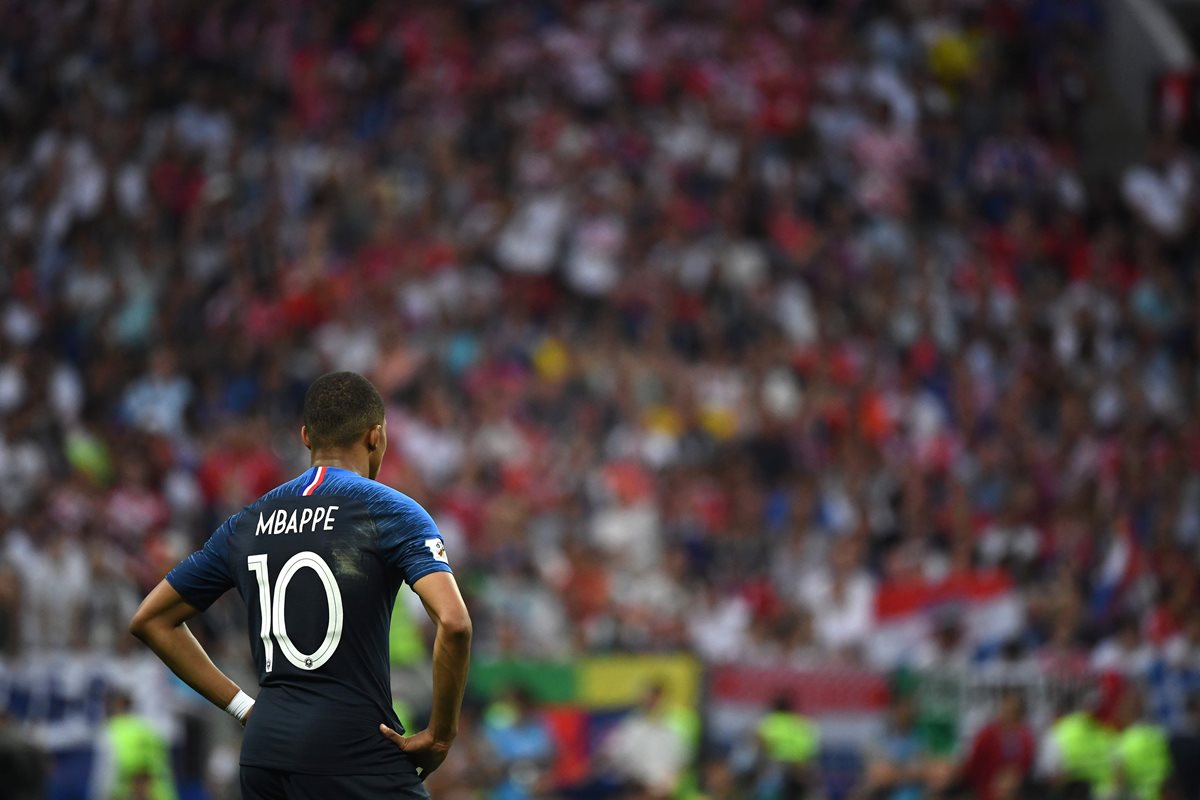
x=239 y=706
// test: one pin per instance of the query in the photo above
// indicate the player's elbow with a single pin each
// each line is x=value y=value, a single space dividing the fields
x=143 y=623
x=457 y=626
x=139 y=624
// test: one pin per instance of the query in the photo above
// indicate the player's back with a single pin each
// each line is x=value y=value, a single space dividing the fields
x=318 y=562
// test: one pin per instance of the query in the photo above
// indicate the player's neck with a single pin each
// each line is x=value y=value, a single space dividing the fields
x=341 y=459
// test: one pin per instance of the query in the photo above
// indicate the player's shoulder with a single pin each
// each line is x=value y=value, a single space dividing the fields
x=383 y=499
x=395 y=514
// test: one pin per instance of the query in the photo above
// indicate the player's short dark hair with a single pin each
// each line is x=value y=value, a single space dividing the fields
x=339 y=407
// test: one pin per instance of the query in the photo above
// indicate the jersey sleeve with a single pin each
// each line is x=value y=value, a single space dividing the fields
x=410 y=540
x=204 y=576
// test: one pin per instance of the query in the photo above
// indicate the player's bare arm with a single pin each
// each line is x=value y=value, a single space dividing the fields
x=161 y=622
x=451 y=659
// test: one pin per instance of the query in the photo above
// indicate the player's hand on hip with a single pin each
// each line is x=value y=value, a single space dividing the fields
x=425 y=752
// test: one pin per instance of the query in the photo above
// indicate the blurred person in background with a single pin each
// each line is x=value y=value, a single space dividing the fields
x=900 y=764
x=719 y=780
x=157 y=401
x=522 y=745
x=647 y=751
x=840 y=596
x=132 y=759
x=473 y=769
x=1182 y=650
x=1001 y=756
x=789 y=742
x=55 y=583
x=946 y=649
x=1143 y=752
x=23 y=765
x=10 y=609
x=1185 y=753
x=1125 y=652
x=1076 y=754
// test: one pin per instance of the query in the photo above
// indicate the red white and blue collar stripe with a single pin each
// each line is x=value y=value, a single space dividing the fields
x=318 y=478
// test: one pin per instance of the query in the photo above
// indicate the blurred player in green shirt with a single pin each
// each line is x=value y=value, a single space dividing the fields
x=1143 y=753
x=133 y=760
x=789 y=743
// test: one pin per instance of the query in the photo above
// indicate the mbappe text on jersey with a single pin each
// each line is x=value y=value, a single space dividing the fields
x=300 y=520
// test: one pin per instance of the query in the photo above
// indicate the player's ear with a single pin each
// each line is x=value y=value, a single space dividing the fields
x=374 y=438
x=304 y=436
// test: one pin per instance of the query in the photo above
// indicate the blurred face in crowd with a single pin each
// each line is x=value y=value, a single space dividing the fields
x=162 y=364
x=904 y=713
x=844 y=557
x=652 y=701
x=1130 y=705
x=1011 y=710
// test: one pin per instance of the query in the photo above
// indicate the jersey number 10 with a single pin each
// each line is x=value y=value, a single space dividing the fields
x=273 y=620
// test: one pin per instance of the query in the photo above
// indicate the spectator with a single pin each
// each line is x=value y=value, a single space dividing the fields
x=945 y=650
x=132 y=760
x=23 y=765
x=1125 y=652
x=841 y=600
x=55 y=585
x=1000 y=759
x=1160 y=190
x=789 y=742
x=1182 y=651
x=522 y=744
x=1185 y=753
x=156 y=402
x=899 y=765
x=10 y=611
x=1143 y=755
x=1076 y=753
x=720 y=782
x=648 y=729
x=472 y=768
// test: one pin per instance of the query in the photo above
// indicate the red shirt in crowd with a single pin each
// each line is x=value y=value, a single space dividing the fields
x=998 y=747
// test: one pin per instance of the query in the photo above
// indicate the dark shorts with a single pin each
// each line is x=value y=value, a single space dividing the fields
x=260 y=783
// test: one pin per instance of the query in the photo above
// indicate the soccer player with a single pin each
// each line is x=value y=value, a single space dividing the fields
x=318 y=562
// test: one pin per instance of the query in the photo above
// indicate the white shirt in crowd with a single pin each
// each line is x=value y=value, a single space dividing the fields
x=839 y=621
x=647 y=751
x=1113 y=655
x=1160 y=196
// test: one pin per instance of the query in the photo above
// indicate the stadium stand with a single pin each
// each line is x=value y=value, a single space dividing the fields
x=792 y=336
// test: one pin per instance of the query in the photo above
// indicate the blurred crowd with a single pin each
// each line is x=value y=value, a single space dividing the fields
x=697 y=322
x=1102 y=745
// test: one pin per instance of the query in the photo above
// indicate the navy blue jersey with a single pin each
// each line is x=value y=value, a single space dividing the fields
x=318 y=562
